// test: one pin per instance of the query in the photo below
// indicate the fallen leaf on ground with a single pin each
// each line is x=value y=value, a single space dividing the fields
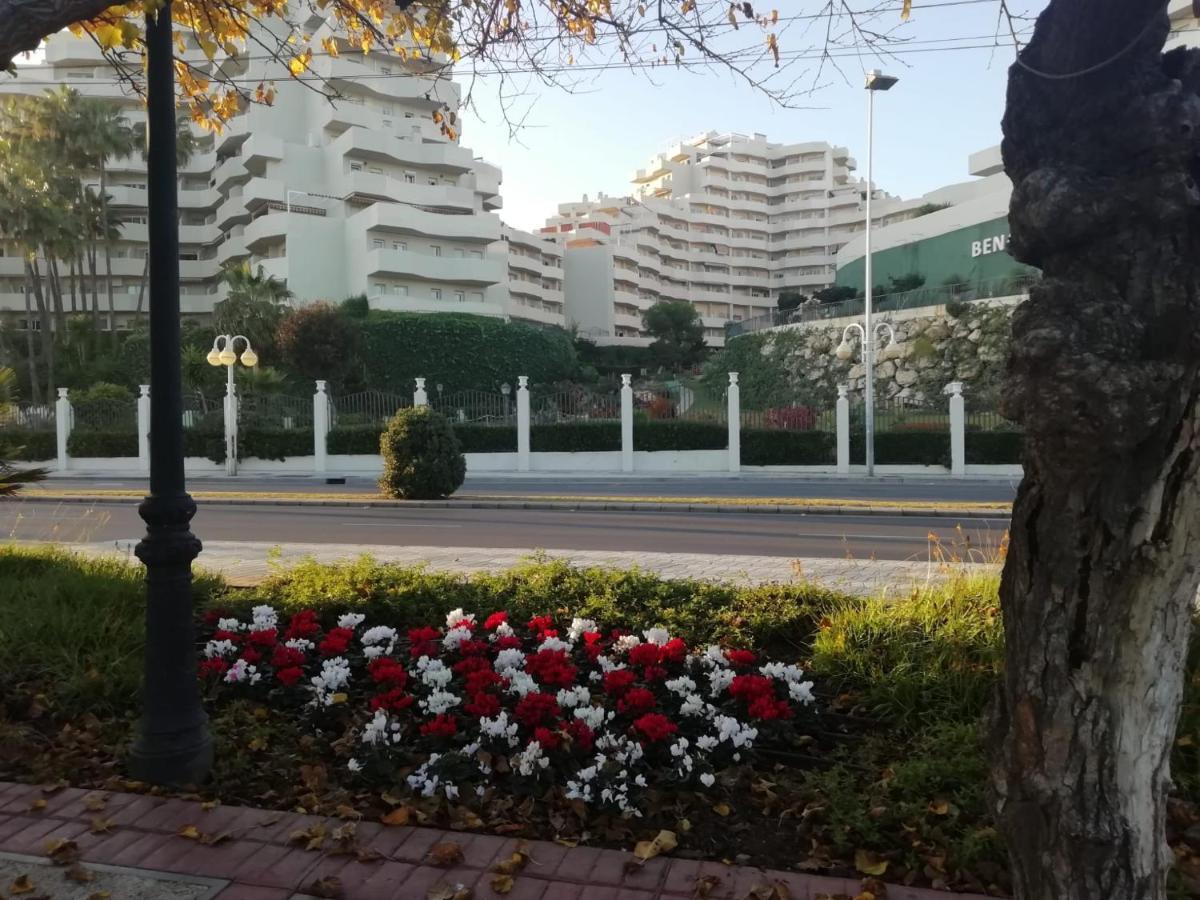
x=79 y=874
x=191 y=832
x=664 y=842
x=312 y=838
x=939 y=807
x=37 y=805
x=367 y=855
x=722 y=809
x=446 y=854
x=270 y=820
x=770 y=891
x=705 y=885
x=348 y=812
x=209 y=805
x=330 y=886
x=95 y=802
x=22 y=884
x=398 y=816
x=443 y=890
x=99 y=895
x=61 y=852
x=869 y=863
x=513 y=864
x=502 y=884
x=53 y=788
x=101 y=826
x=212 y=840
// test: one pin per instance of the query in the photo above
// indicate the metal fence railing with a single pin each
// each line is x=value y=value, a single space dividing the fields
x=26 y=416
x=115 y=416
x=275 y=411
x=901 y=416
x=578 y=404
x=1009 y=286
x=366 y=408
x=476 y=407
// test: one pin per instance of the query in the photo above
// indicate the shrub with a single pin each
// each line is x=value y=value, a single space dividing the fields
x=356 y=307
x=30 y=446
x=920 y=448
x=487 y=438
x=255 y=443
x=995 y=447
x=792 y=418
x=677 y=435
x=576 y=437
x=354 y=439
x=102 y=444
x=422 y=459
x=318 y=341
x=763 y=447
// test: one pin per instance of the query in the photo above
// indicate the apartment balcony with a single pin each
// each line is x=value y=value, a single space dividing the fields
x=625 y=320
x=536 y=314
x=232 y=249
x=195 y=234
x=709 y=295
x=262 y=147
x=230 y=171
x=348 y=70
x=455 y=270
x=397 y=218
x=525 y=264
x=428 y=304
x=66 y=49
x=198 y=198
x=369 y=186
x=378 y=146
x=194 y=269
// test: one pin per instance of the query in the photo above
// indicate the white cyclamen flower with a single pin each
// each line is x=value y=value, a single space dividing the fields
x=591 y=716
x=681 y=686
x=456 y=618
x=509 y=660
x=707 y=779
x=242 y=672
x=229 y=625
x=553 y=643
x=439 y=701
x=521 y=683
x=218 y=648
x=351 y=620
x=335 y=674
x=301 y=644
x=714 y=656
x=657 y=635
x=455 y=637
x=626 y=643
x=354 y=765
x=731 y=730
x=801 y=692
x=569 y=698
x=693 y=705
x=434 y=672
x=718 y=680
x=503 y=630
x=578 y=627
x=264 y=617
x=530 y=760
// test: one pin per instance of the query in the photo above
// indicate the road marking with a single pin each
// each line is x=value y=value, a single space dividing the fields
x=401 y=524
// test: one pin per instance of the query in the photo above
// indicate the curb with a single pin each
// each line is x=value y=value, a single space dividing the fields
x=582 y=506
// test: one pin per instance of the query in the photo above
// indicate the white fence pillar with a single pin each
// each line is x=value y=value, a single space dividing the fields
x=626 y=423
x=64 y=422
x=320 y=429
x=958 y=429
x=735 y=423
x=143 y=426
x=843 y=431
x=231 y=428
x=522 y=423
x=420 y=398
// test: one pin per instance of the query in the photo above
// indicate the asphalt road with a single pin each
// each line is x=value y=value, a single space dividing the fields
x=860 y=537
x=883 y=488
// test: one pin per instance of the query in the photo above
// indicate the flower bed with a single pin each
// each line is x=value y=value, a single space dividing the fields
x=517 y=707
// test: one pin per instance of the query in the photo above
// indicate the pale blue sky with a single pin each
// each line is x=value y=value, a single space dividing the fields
x=947 y=104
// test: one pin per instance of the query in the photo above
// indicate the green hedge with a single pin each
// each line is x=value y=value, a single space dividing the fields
x=911 y=448
x=102 y=444
x=356 y=440
x=461 y=352
x=576 y=437
x=680 y=436
x=763 y=447
x=487 y=438
x=995 y=447
x=29 y=446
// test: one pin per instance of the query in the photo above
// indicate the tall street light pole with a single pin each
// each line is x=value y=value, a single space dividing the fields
x=876 y=81
x=173 y=744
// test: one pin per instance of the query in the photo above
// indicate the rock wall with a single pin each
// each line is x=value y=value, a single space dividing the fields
x=929 y=353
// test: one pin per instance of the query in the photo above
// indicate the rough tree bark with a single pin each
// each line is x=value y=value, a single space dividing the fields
x=26 y=22
x=1102 y=570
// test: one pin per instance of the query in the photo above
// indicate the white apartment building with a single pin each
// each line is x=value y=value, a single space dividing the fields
x=362 y=195
x=535 y=277
x=724 y=221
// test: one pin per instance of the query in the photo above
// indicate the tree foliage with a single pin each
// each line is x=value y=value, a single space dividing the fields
x=318 y=341
x=789 y=300
x=422 y=459
x=254 y=305
x=678 y=334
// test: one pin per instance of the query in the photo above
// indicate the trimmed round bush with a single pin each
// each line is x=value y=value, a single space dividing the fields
x=422 y=457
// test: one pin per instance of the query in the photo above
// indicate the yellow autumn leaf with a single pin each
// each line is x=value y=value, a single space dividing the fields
x=939 y=807
x=298 y=65
x=722 y=809
x=108 y=36
x=502 y=884
x=23 y=884
x=906 y=10
x=664 y=842
x=869 y=863
x=191 y=832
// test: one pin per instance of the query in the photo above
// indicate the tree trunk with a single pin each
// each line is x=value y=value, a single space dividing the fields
x=1101 y=575
x=47 y=329
x=142 y=286
x=54 y=288
x=91 y=254
x=108 y=281
x=30 y=353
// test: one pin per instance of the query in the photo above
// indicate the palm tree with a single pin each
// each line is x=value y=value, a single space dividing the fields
x=185 y=148
x=11 y=479
x=254 y=305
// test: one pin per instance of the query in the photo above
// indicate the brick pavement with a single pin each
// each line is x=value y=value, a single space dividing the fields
x=257 y=862
x=244 y=562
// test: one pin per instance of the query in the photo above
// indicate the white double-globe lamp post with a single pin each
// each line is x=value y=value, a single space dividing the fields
x=224 y=353
x=868 y=335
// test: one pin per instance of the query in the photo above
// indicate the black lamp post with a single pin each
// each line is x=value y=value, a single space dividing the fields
x=173 y=745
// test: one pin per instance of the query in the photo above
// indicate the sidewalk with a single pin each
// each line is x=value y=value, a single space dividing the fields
x=246 y=563
x=257 y=861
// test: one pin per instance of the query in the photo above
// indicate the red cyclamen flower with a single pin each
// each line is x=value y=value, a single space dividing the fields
x=750 y=687
x=336 y=642
x=264 y=638
x=212 y=668
x=392 y=701
x=645 y=655
x=385 y=670
x=547 y=738
x=654 y=727
x=285 y=657
x=581 y=734
x=495 y=620
x=540 y=624
x=252 y=656
x=551 y=667
x=535 y=708
x=636 y=700
x=440 y=726
x=508 y=642
x=482 y=705
x=741 y=657
x=768 y=708
x=290 y=675
x=674 y=651
x=618 y=681
x=424 y=641
x=303 y=624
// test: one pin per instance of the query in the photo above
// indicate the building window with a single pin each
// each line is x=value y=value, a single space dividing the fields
x=375 y=170
x=477 y=296
x=410 y=177
x=378 y=287
x=402 y=290
x=356 y=167
x=437 y=251
x=387 y=123
x=433 y=182
x=386 y=70
x=399 y=245
x=437 y=293
x=377 y=244
x=460 y=297
x=476 y=254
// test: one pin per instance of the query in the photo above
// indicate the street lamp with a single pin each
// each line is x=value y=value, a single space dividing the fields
x=876 y=81
x=224 y=353
x=845 y=350
x=173 y=744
